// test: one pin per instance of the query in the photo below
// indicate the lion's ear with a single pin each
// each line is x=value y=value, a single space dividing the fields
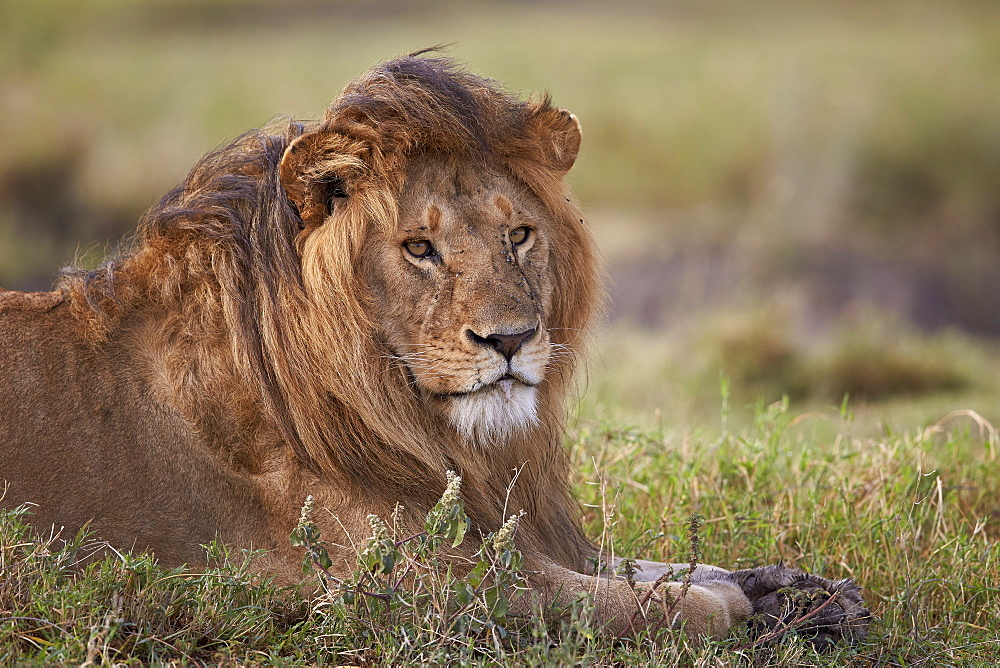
x=309 y=172
x=556 y=133
x=294 y=171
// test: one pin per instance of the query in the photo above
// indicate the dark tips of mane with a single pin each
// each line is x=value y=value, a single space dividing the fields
x=438 y=100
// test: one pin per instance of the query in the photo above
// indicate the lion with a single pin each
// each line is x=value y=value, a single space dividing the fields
x=346 y=309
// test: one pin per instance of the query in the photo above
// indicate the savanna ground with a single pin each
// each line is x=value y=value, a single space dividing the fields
x=799 y=206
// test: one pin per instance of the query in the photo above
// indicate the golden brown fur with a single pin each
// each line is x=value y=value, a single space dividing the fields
x=270 y=336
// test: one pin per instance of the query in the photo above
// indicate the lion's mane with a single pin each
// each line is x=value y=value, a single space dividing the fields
x=260 y=336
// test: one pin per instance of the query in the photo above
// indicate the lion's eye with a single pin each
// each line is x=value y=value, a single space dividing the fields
x=419 y=248
x=519 y=235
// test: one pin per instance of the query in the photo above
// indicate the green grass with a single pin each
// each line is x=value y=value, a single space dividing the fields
x=911 y=515
x=894 y=375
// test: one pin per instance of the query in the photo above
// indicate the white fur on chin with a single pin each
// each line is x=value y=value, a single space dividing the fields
x=493 y=415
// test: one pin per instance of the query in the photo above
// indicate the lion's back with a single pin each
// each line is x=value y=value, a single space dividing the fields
x=30 y=302
x=36 y=340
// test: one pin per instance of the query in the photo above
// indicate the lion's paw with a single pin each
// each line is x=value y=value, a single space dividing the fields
x=822 y=611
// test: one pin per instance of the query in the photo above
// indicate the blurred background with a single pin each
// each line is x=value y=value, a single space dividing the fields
x=794 y=198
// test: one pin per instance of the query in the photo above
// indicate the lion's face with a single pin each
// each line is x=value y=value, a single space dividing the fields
x=461 y=292
x=437 y=237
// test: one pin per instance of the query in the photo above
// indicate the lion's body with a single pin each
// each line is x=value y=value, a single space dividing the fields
x=346 y=310
x=86 y=443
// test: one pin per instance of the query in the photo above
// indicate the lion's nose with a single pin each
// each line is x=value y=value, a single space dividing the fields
x=505 y=344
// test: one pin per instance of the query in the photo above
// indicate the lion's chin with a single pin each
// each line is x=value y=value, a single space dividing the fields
x=493 y=415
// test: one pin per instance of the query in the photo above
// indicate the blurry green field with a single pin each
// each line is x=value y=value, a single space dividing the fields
x=777 y=124
x=794 y=167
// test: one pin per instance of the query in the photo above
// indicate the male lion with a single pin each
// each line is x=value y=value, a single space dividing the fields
x=346 y=309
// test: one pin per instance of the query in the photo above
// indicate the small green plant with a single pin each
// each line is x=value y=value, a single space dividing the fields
x=627 y=569
x=409 y=586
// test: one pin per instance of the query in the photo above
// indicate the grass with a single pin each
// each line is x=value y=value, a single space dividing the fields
x=915 y=528
x=893 y=375
x=911 y=515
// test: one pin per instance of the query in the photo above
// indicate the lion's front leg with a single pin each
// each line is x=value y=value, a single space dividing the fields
x=651 y=571
x=705 y=608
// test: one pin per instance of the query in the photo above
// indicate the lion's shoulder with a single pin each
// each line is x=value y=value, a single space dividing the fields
x=40 y=302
